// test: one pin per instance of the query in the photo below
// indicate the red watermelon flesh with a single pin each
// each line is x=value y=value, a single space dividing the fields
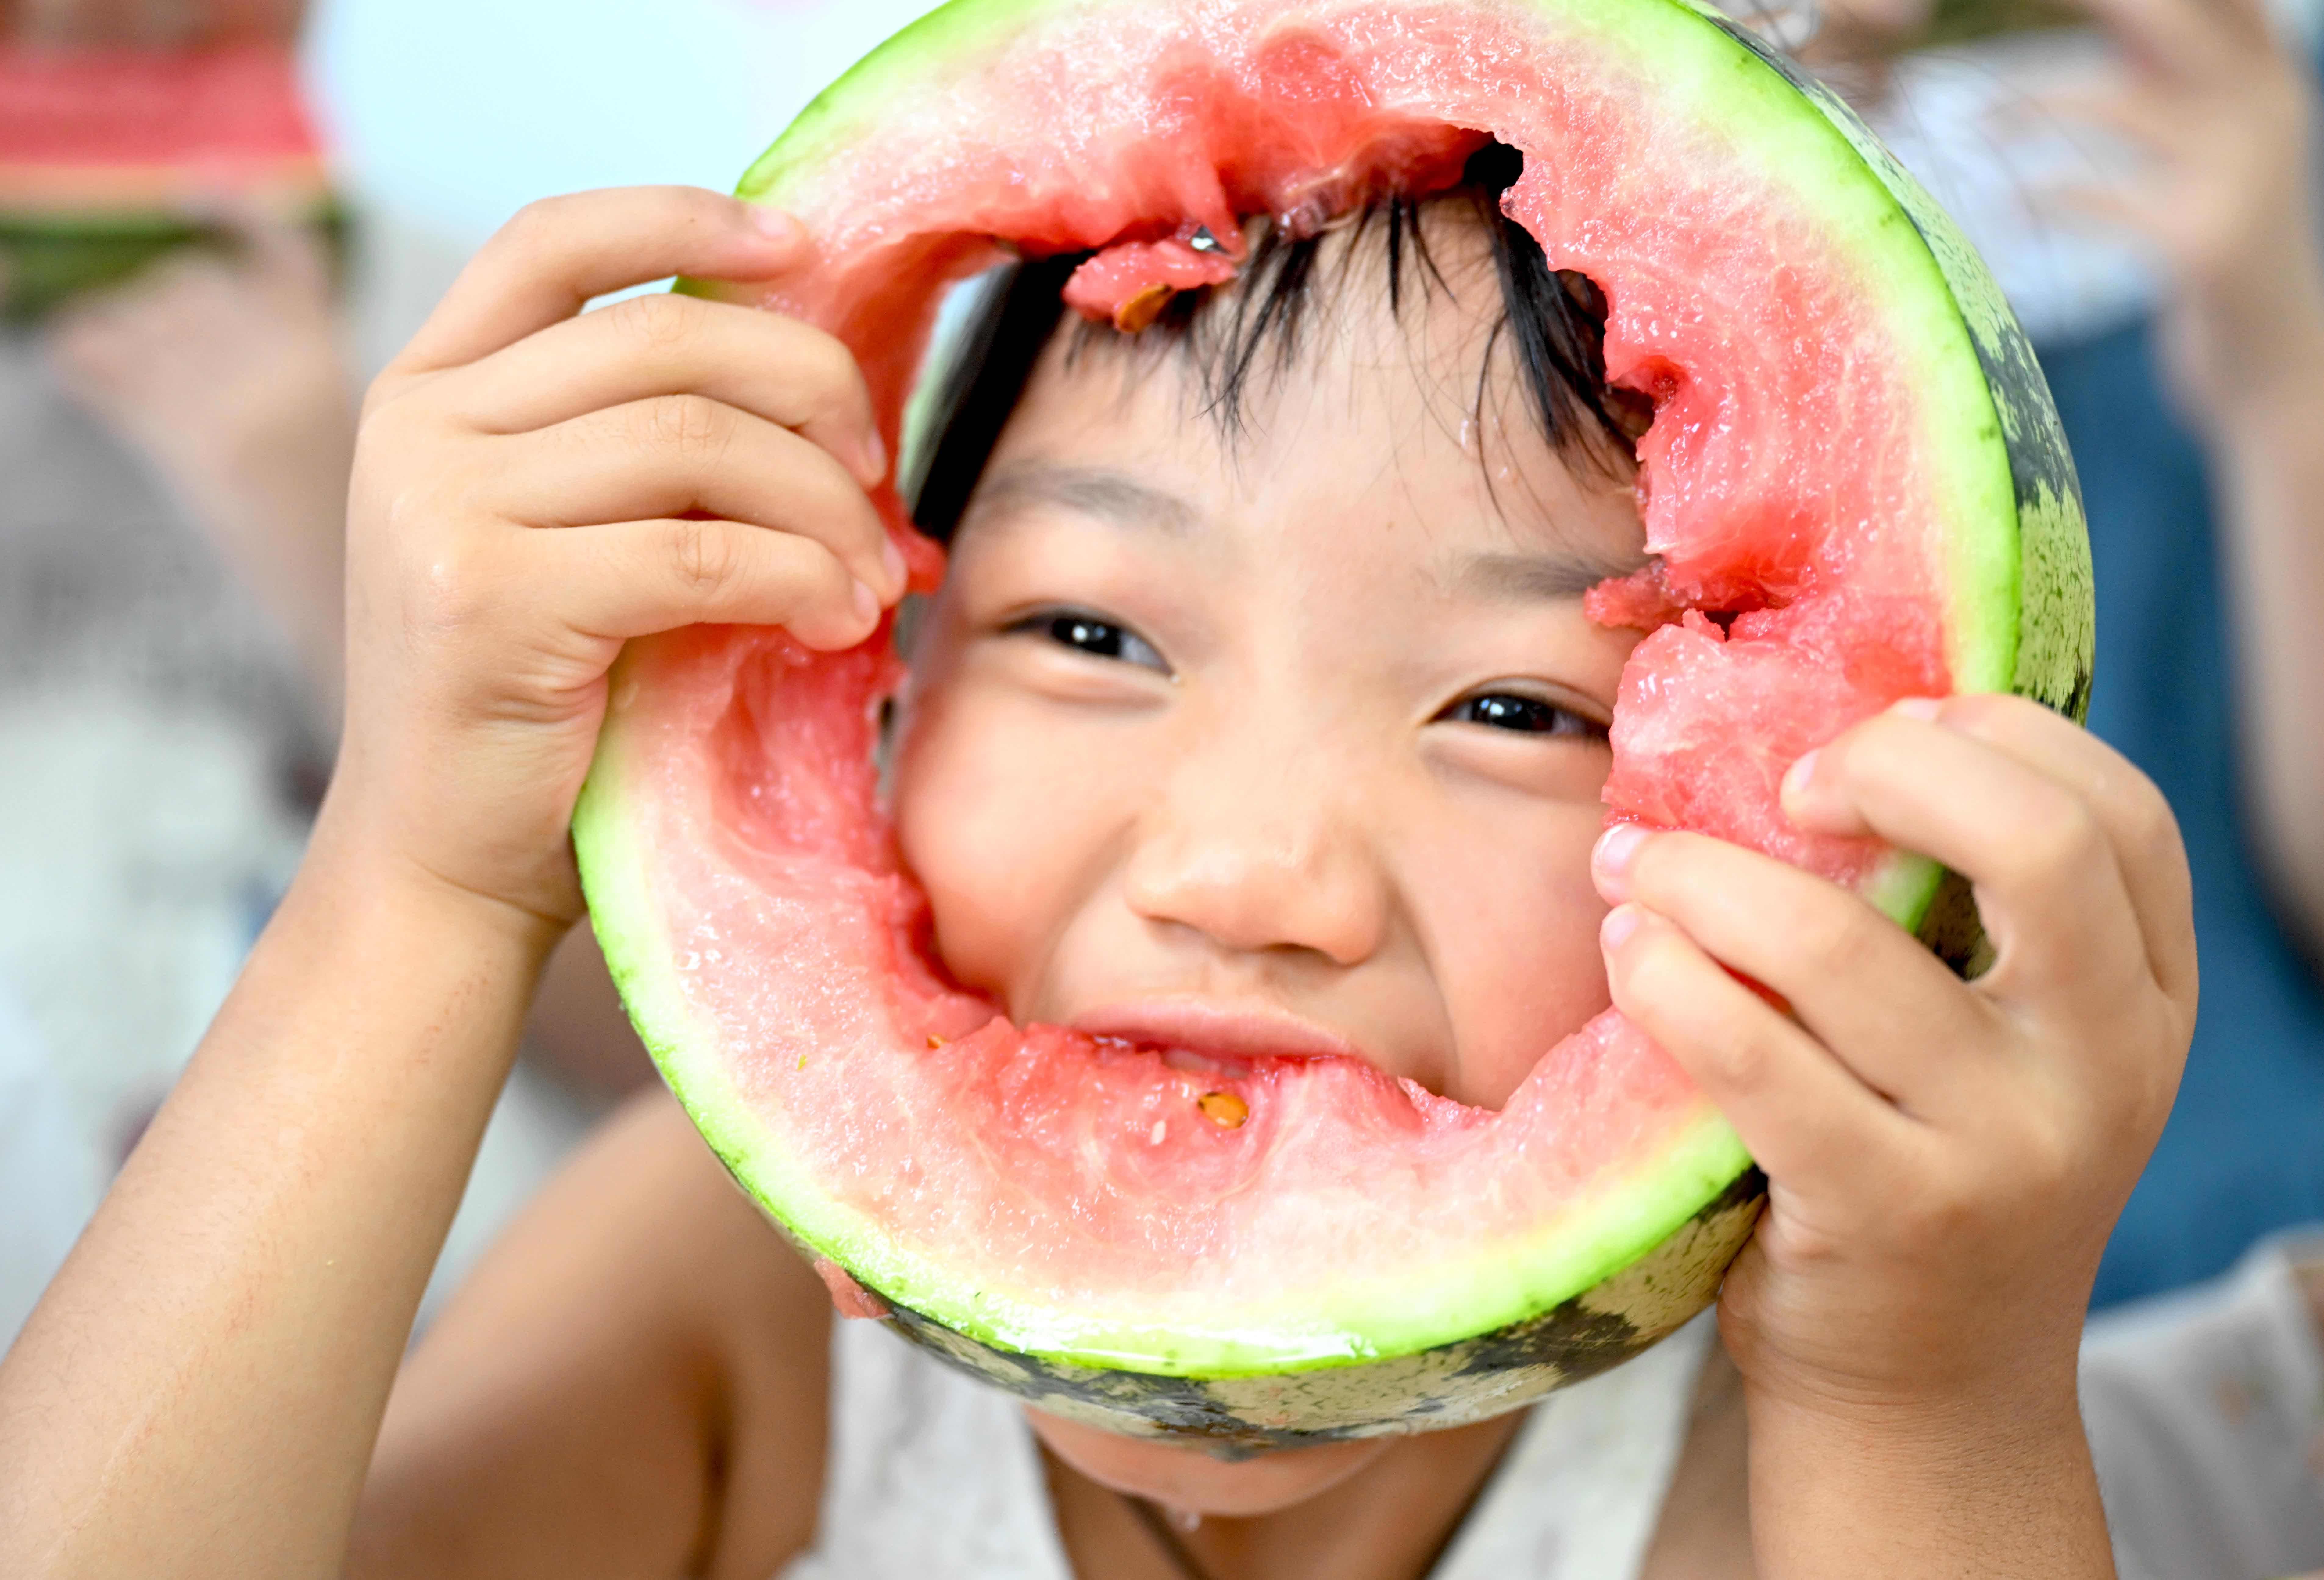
x=1843 y=485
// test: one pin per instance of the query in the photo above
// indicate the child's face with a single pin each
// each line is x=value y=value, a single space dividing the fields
x=1286 y=744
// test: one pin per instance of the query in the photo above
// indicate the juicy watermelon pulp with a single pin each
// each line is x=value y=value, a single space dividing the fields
x=1854 y=490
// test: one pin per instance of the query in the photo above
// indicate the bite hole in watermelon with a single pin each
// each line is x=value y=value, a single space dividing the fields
x=1852 y=463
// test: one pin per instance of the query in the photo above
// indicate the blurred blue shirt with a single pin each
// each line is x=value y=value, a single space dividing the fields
x=2244 y=1153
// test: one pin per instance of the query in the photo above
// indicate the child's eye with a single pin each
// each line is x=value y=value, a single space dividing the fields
x=1530 y=715
x=1097 y=637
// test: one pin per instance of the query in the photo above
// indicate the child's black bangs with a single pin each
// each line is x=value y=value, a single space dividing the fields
x=1551 y=324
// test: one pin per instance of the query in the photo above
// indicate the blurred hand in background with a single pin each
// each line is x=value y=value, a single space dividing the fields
x=224 y=369
x=2217 y=115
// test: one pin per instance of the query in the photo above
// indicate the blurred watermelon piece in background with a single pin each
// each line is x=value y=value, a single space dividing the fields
x=113 y=154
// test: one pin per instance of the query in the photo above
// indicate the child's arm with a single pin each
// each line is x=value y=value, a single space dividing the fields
x=1945 y=1159
x=198 y=1392
x=631 y=1384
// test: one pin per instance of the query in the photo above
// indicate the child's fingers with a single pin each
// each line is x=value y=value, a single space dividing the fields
x=785 y=371
x=2052 y=893
x=2141 y=836
x=1849 y=974
x=2137 y=821
x=636 y=578
x=556 y=255
x=674 y=454
x=1803 y=1116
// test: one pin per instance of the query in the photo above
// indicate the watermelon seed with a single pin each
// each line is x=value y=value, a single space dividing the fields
x=935 y=1041
x=1154 y=1137
x=1223 y=1109
x=1142 y=308
x=802 y=1063
x=1202 y=241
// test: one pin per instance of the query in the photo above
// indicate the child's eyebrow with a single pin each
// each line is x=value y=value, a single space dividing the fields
x=1548 y=575
x=1093 y=491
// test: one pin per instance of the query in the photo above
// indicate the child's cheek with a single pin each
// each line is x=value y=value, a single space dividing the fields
x=990 y=826
x=1517 y=957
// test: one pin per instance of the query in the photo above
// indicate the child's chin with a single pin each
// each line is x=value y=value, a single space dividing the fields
x=1188 y=1477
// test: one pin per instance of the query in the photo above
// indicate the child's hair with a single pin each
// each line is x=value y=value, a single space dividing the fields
x=1552 y=322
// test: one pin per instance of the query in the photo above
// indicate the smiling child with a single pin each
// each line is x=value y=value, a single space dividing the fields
x=1259 y=710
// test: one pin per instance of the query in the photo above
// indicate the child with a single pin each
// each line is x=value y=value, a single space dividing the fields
x=1259 y=706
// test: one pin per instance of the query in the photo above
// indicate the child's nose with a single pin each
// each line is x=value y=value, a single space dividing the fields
x=1269 y=857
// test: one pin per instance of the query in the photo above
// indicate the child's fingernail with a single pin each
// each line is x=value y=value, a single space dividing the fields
x=775 y=225
x=1924 y=708
x=892 y=561
x=1619 y=924
x=1802 y=769
x=1616 y=849
x=867 y=604
x=875 y=457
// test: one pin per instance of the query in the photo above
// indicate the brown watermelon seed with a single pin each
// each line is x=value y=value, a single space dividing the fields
x=935 y=1041
x=1142 y=308
x=1223 y=1109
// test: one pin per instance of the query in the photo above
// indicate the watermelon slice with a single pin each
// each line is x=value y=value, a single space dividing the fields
x=106 y=155
x=1854 y=487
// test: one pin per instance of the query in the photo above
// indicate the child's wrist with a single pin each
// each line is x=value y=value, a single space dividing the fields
x=1998 y=1480
x=350 y=872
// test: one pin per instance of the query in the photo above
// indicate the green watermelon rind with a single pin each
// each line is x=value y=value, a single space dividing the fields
x=2018 y=618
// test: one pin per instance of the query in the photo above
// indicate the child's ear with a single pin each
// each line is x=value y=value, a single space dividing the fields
x=848 y=1298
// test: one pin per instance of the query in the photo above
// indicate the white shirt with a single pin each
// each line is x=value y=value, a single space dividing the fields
x=930 y=1473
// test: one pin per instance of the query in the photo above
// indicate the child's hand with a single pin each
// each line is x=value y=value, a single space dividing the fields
x=534 y=485
x=1945 y=1157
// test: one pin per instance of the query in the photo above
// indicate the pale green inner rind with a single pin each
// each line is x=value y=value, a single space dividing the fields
x=609 y=847
x=1901 y=887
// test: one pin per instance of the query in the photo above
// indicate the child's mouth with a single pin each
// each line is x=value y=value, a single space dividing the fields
x=1206 y=1037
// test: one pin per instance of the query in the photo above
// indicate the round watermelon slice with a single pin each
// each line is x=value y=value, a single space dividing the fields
x=1854 y=488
